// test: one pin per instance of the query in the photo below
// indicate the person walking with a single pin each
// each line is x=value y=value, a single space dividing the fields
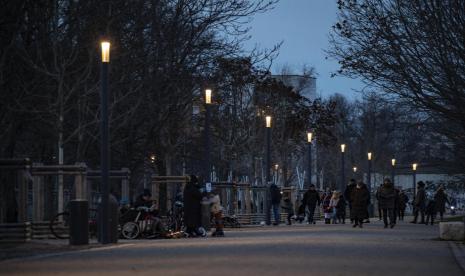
x=276 y=202
x=341 y=210
x=419 y=203
x=289 y=207
x=347 y=194
x=387 y=202
x=192 y=208
x=430 y=211
x=359 y=200
x=402 y=204
x=327 y=210
x=380 y=210
x=332 y=205
x=311 y=200
x=441 y=199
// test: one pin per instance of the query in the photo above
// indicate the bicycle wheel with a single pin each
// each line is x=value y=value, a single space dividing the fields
x=59 y=225
x=130 y=230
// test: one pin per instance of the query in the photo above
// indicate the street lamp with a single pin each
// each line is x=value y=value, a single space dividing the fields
x=354 y=169
x=414 y=173
x=208 y=101
x=309 y=140
x=393 y=170
x=105 y=145
x=268 y=167
x=369 y=171
x=343 y=149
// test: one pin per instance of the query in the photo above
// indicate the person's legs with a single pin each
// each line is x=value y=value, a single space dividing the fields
x=277 y=218
x=385 y=215
x=289 y=216
x=415 y=214
x=394 y=216
x=422 y=212
x=380 y=212
x=360 y=223
x=219 y=224
x=311 y=213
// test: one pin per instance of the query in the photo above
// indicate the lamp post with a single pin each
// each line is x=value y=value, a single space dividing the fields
x=268 y=167
x=208 y=101
x=309 y=140
x=354 y=169
x=343 y=149
x=370 y=155
x=393 y=170
x=104 y=149
x=370 y=207
x=414 y=173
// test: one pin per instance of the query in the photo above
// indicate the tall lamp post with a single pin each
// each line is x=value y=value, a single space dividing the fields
x=370 y=207
x=268 y=167
x=343 y=177
x=309 y=140
x=370 y=155
x=105 y=145
x=393 y=170
x=414 y=173
x=354 y=169
x=208 y=101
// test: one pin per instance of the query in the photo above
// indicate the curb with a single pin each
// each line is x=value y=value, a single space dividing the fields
x=458 y=250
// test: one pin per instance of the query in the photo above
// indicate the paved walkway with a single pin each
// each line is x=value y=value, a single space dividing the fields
x=298 y=250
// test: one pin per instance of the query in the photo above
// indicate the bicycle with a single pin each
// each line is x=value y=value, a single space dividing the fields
x=59 y=225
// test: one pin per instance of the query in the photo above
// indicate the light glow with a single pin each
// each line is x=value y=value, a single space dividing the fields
x=105 y=51
x=208 y=96
x=414 y=166
x=343 y=148
x=309 y=137
x=369 y=156
x=268 y=121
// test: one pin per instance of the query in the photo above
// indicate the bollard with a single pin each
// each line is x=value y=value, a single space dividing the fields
x=79 y=222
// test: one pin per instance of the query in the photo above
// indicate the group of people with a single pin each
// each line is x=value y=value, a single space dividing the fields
x=192 y=198
x=392 y=203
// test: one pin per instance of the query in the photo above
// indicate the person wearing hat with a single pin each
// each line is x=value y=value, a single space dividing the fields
x=419 y=203
x=145 y=200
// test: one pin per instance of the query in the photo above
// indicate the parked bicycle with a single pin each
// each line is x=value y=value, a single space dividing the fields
x=59 y=224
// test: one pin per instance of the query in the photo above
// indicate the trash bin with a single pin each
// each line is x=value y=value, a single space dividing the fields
x=78 y=222
x=205 y=216
x=113 y=220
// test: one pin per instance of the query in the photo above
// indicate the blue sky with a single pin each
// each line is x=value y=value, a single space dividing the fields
x=304 y=26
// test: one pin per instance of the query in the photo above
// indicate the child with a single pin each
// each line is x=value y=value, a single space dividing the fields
x=326 y=199
x=217 y=214
x=430 y=212
x=341 y=210
x=332 y=204
x=289 y=207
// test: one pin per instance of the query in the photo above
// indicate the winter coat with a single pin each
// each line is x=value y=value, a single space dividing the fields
x=441 y=198
x=360 y=199
x=387 y=196
x=431 y=207
x=420 y=199
x=326 y=203
x=311 y=198
x=348 y=192
x=341 y=206
x=403 y=200
x=288 y=207
x=275 y=194
x=192 y=207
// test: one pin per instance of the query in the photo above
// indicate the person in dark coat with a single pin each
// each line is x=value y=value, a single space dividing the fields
x=311 y=200
x=341 y=210
x=347 y=194
x=441 y=199
x=380 y=210
x=327 y=209
x=276 y=202
x=192 y=208
x=289 y=207
x=387 y=202
x=419 y=203
x=430 y=211
x=402 y=204
x=359 y=198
